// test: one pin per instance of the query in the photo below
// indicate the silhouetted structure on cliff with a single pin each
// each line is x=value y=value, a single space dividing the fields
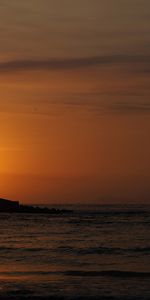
x=7 y=205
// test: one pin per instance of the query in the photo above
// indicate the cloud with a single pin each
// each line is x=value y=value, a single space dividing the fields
x=130 y=107
x=75 y=63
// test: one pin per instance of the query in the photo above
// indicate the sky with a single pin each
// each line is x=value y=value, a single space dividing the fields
x=75 y=101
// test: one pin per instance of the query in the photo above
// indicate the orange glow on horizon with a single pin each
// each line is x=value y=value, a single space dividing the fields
x=65 y=135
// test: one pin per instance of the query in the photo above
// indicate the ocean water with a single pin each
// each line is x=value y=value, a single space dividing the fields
x=96 y=252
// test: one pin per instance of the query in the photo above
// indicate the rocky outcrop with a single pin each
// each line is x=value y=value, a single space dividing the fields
x=14 y=207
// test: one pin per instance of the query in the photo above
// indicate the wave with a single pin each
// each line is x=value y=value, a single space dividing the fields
x=82 y=273
x=21 y=249
x=115 y=250
x=103 y=250
x=116 y=212
x=23 y=295
x=110 y=273
x=81 y=251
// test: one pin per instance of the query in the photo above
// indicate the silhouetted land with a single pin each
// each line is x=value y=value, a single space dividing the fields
x=16 y=207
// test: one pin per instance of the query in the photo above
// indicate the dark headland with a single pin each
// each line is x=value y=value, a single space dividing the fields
x=15 y=207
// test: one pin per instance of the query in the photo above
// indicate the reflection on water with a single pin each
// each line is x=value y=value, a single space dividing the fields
x=99 y=251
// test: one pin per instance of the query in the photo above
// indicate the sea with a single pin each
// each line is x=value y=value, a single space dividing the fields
x=94 y=252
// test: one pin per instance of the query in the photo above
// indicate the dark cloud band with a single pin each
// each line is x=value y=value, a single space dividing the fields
x=75 y=63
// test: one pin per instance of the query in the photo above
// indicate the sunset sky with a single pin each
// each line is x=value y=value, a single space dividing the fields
x=75 y=101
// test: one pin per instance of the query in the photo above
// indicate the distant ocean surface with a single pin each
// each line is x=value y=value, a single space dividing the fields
x=96 y=252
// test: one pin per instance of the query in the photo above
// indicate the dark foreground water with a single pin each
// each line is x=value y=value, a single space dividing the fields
x=96 y=252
